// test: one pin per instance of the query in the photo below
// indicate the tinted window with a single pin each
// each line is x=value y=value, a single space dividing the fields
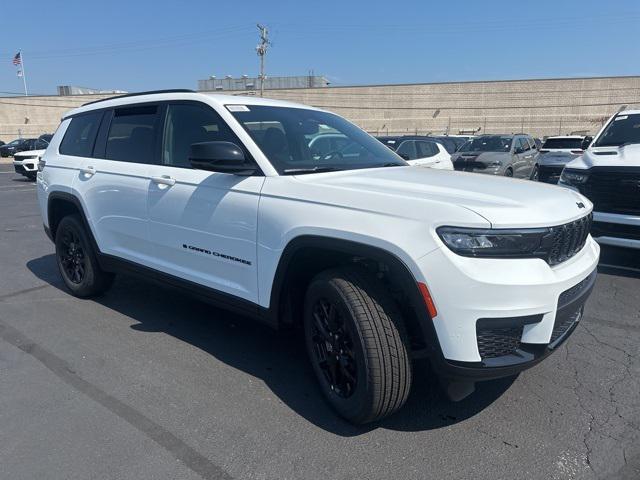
x=284 y=135
x=80 y=135
x=190 y=123
x=488 y=143
x=407 y=150
x=132 y=134
x=624 y=129
x=568 y=143
x=427 y=149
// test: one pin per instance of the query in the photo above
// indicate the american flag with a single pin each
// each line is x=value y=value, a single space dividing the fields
x=17 y=60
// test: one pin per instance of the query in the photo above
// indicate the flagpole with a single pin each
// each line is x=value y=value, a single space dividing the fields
x=24 y=74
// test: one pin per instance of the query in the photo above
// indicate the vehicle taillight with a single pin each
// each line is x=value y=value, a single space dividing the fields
x=41 y=164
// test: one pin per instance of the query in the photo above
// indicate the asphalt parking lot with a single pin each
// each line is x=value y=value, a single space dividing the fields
x=146 y=382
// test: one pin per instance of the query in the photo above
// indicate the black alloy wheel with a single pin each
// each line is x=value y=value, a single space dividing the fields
x=334 y=348
x=72 y=256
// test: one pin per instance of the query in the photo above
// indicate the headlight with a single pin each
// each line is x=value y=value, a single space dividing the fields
x=472 y=242
x=574 y=177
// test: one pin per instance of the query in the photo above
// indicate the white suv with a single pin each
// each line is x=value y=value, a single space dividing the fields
x=378 y=261
x=608 y=173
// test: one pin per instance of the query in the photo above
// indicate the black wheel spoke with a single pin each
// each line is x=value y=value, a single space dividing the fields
x=333 y=348
x=72 y=257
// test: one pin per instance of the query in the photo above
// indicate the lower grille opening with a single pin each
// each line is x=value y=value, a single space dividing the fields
x=564 y=323
x=498 y=342
x=498 y=337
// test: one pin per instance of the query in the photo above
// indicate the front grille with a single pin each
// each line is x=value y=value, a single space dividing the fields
x=614 y=190
x=568 y=239
x=616 y=230
x=564 y=323
x=549 y=173
x=497 y=342
x=468 y=164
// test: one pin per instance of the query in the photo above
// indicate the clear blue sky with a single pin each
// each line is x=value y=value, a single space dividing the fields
x=140 y=45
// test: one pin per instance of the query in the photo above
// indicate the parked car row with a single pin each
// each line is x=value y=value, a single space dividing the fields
x=26 y=153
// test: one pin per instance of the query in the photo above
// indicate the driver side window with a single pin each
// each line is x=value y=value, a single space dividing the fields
x=191 y=123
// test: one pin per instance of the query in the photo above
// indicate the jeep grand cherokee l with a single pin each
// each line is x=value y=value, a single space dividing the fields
x=378 y=262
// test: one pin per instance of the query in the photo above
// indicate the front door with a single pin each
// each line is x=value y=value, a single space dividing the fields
x=202 y=224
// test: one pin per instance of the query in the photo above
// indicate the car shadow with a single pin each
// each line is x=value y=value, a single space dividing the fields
x=277 y=358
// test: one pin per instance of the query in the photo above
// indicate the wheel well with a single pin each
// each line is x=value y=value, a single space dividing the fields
x=306 y=262
x=57 y=210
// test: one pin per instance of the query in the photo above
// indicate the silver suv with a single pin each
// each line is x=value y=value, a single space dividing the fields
x=508 y=155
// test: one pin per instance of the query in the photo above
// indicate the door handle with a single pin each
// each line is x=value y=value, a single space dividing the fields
x=164 y=180
x=88 y=171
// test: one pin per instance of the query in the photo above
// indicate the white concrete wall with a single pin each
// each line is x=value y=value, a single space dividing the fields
x=539 y=107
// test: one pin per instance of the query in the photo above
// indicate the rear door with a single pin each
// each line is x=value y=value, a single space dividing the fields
x=519 y=151
x=203 y=224
x=114 y=182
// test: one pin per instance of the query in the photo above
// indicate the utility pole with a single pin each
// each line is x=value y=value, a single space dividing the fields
x=261 y=49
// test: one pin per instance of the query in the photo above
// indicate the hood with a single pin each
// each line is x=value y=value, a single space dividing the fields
x=627 y=156
x=30 y=153
x=503 y=202
x=481 y=156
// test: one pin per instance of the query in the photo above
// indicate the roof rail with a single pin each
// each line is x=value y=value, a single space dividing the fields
x=150 y=92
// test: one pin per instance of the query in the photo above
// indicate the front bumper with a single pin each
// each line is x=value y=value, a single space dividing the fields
x=616 y=230
x=522 y=294
x=24 y=167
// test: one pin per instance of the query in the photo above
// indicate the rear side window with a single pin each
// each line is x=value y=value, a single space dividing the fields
x=132 y=134
x=427 y=149
x=81 y=135
x=407 y=150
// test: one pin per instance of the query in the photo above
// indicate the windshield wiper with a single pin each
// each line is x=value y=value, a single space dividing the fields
x=317 y=169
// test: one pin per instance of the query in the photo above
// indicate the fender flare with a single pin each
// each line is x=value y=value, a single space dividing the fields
x=401 y=273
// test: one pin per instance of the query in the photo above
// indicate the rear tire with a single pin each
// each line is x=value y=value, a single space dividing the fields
x=77 y=260
x=357 y=344
x=534 y=174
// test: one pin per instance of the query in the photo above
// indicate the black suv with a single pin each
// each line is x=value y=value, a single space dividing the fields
x=22 y=145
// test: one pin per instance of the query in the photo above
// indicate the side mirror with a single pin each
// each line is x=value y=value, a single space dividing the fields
x=586 y=141
x=223 y=157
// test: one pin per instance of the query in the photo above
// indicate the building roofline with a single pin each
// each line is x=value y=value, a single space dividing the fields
x=480 y=81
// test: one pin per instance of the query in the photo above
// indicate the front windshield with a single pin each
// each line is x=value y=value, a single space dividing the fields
x=298 y=140
x=624 y=129
x=493 y=143
x=15 y=142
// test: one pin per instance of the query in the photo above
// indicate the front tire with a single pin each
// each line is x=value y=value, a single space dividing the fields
x=77 y=260
x=508 y=172
x=534 y=174
x=357 y=345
